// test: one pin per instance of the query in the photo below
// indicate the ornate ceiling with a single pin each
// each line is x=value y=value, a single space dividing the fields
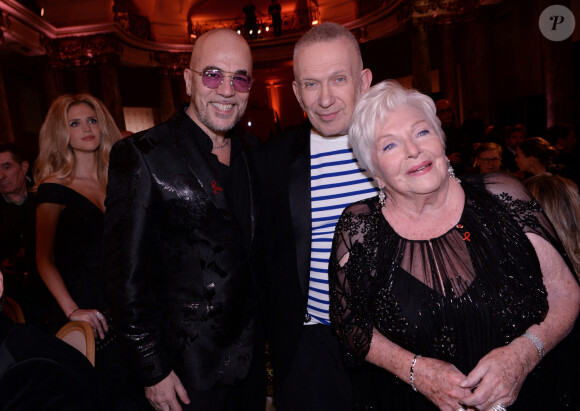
x=170 y=19
x=160 y=33
x=172 y=24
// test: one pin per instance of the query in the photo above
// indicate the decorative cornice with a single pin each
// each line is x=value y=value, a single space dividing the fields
x=438 y=11
x=83 y=50
x=28 y=33
x=380 y=22
x=171 y=64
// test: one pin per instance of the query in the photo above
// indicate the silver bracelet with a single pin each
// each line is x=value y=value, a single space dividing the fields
x=537 y=342
x=412 y=376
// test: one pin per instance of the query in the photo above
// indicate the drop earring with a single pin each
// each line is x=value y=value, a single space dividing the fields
x=451 y=172
x=382 y=196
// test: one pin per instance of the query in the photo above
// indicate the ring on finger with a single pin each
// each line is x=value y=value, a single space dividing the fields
x=461 y=409
x=498 y=407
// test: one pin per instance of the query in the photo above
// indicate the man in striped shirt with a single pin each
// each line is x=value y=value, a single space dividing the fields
x=310 y=176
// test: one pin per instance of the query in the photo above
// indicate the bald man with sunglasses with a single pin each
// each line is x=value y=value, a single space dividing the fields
x=179 y=228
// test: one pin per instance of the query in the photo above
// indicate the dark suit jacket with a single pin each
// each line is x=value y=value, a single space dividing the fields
x=18 y=228
x=177 y=254
x=508 y=160
x=286 y=228
x=41 y=372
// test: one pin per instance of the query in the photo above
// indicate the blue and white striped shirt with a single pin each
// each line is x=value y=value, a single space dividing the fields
x=335 y=182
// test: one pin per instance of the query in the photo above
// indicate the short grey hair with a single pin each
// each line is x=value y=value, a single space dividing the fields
x=325 y=33
x=372 y=110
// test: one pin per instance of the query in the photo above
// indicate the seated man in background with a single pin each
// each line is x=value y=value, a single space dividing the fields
x=17 y=242
x=488 y=157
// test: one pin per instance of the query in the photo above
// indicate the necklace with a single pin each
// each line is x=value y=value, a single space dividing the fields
x=88 y=180
x=223 y=145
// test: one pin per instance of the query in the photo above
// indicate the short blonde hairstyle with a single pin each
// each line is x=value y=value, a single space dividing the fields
x=372 y=110
x=56 y=157
x=560 y=200
x=325 y=33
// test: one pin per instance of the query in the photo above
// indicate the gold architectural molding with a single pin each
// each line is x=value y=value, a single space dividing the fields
x=81 y=51
x=171 y=64
x=29 y=34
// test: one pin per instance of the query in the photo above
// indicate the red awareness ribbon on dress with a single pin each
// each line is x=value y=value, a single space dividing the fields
x=466 y=235
x=215 y=187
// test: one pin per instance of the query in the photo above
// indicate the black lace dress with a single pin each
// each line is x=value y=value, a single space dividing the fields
x=78 y=254
x=455 y=297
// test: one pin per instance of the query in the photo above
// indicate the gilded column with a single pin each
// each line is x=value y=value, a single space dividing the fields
x=421 y=59
x=166 y=104
x=558 y=76
x=180 y=94
x=52 y=82
x=81 y=78
x=80 y=54
x=111 y=90
x=475 y=62
x=448 y=70
x=426 y=14
x=558 y=81
x=171 y=66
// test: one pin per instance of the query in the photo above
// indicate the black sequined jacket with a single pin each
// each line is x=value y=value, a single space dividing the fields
x=178 y=233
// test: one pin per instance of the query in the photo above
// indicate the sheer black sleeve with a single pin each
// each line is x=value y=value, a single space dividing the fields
x=350 y=269
x=517 y=200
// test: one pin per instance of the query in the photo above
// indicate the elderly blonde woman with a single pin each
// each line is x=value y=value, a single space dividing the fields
x=453 y=291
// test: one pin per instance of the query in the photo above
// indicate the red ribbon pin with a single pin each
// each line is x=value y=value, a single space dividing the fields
x=215 y=187
x=466 y=236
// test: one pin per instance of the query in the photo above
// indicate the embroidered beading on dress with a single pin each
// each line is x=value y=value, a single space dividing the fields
x=454 y=297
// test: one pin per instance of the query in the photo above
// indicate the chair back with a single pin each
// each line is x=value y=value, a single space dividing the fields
x=79 y=334
x=13 y=311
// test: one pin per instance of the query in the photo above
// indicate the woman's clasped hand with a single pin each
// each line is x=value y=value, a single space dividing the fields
x=94 y=317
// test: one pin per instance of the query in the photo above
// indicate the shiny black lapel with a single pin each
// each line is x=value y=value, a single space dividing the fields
x=190 y=152
x=299 y=196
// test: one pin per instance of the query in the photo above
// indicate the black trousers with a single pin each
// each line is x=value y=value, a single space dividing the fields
x=249 y=395
x=242 y=397
x=317 y=379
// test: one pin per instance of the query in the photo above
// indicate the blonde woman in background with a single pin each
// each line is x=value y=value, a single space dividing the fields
x=71 y=177
x=559 y=198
